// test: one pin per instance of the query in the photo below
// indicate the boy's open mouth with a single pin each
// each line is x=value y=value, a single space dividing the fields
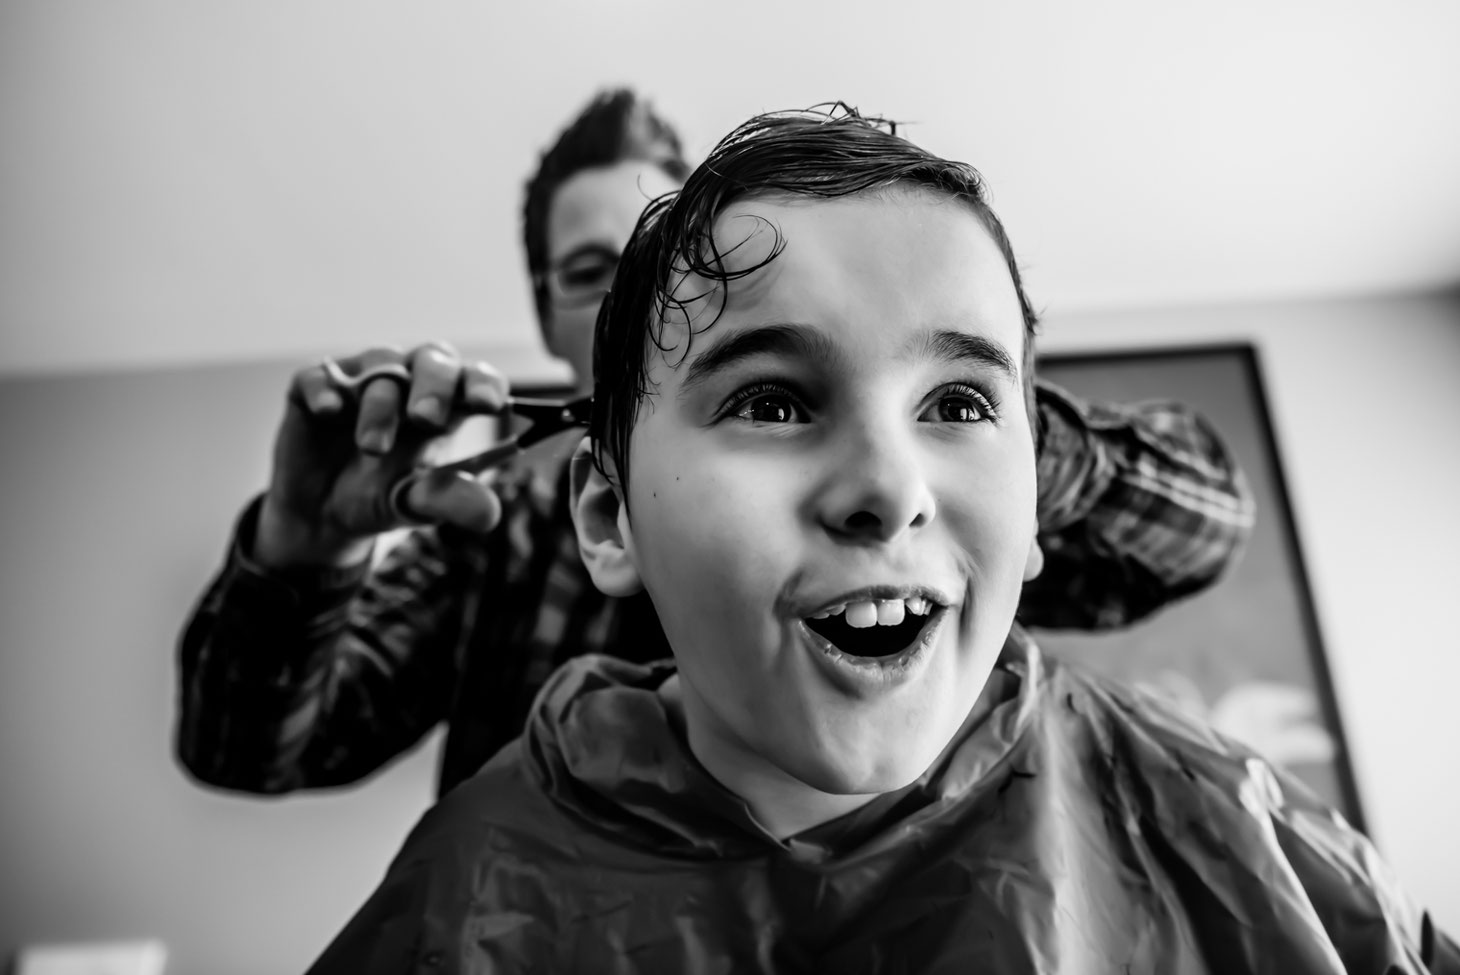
x=873 y=628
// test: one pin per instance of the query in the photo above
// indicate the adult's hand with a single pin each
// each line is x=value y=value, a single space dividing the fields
x=340 y=450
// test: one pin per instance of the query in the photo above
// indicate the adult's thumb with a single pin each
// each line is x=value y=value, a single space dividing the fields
x=455 y=498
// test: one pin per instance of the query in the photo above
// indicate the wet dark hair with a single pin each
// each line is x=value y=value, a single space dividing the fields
x=825 y=152
x=616 y=126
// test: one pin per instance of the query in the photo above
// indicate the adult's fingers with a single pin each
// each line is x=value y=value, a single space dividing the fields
x=314 y=391
x=483 y=388
x=435 y=377
x=377 y=419
x=429 y=385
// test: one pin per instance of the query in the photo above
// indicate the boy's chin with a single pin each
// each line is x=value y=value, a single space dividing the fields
x=866 y=751
x=865 y=772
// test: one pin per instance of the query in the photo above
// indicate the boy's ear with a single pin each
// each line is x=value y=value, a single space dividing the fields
x=602 y=522
x=1035 y=563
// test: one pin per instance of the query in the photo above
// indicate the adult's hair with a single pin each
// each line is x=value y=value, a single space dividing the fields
x=821 y=152
x=616 y=126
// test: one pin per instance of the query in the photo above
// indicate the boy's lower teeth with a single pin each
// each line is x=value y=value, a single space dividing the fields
x=869 y=641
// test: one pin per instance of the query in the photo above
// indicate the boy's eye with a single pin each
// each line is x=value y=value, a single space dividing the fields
x=765 y=404
x=767 y=408
x=960 y=404
x=771 y=403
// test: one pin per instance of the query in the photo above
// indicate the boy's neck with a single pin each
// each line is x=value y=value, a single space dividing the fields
x=781 y=804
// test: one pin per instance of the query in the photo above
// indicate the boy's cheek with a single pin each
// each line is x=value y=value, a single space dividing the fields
x=708 y=544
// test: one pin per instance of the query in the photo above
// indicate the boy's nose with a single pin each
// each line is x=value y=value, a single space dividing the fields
x=877 y=488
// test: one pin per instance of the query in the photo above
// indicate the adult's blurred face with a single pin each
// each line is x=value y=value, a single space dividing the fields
x=589 y=221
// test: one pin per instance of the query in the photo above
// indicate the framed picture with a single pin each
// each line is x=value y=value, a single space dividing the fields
x=1246 y=654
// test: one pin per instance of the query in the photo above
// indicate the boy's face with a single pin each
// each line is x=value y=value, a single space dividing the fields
x=849 y=438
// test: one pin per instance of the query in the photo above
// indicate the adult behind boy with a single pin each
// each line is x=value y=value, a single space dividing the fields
x=302 y=669
x=813 y=446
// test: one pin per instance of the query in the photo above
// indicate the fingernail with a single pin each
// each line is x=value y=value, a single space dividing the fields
x=375 y=441
x=428 y=408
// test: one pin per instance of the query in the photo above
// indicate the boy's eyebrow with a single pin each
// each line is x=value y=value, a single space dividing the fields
x=954 y=346
x=809 y=343
x=782 y=340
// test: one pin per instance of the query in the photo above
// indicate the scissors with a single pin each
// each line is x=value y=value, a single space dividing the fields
x=545 y=417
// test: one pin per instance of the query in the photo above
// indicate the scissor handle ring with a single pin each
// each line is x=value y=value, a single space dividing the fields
x=384 y=370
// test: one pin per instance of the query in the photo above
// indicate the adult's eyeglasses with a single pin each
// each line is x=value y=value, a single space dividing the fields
x=581 y=278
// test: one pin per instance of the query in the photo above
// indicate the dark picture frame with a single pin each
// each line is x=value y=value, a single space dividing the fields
x=1247 y=654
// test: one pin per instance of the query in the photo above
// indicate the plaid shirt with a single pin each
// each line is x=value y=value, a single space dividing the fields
x=310 y=679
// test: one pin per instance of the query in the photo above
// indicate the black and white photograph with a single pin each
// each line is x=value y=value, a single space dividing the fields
x=619 y=486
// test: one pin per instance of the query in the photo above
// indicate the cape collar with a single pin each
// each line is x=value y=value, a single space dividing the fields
x=602 y=745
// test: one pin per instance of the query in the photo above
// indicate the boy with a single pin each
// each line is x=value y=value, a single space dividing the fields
x=812 y=446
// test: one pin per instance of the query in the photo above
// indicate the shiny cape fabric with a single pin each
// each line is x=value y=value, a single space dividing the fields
x=1072 y=826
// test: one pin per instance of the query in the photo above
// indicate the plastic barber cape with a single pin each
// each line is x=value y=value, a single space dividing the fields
x=1077 y=827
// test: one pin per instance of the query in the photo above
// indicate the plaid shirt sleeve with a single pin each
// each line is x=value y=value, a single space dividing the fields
x=318 y=678
x=1139 y=505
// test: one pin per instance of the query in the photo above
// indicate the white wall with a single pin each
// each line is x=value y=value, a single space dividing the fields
x=233 y=188
x=186 y=182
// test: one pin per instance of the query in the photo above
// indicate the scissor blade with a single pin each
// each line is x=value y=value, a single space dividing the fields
x=482 y=462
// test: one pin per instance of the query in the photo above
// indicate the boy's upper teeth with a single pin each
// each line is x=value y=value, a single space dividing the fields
x=862 y=613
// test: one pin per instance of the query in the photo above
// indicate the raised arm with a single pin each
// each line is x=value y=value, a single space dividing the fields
x=299 y=668
x=1139 y=505
x=318 y=677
